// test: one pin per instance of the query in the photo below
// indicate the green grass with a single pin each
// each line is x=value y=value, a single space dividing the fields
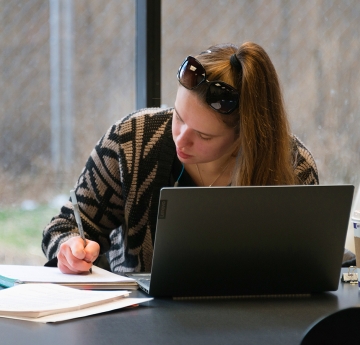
x=23 y=229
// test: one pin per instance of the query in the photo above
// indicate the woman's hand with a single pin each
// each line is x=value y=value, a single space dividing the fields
x=74 y=258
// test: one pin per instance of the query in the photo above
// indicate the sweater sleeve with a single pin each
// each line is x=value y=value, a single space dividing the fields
x=99 y=195
x=304 y=164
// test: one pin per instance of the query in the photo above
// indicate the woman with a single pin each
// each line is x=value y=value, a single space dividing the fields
x=228 y=127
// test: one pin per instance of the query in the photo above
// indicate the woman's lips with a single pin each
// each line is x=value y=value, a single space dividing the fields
x=182 y=154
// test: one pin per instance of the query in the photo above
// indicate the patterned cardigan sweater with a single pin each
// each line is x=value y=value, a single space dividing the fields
x=118 y=190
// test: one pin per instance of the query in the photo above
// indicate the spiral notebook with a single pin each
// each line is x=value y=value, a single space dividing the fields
x=12 y=275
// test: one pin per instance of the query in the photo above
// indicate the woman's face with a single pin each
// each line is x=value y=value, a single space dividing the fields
x=199 y=134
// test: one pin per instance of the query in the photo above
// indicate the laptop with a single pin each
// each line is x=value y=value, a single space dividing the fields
x=235 y=241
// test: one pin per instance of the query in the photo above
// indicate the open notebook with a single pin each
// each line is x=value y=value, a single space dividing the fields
x=230 y=241
x=99 y=279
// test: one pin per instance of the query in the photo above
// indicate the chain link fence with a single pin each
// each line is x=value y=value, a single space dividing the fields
x=68 y=72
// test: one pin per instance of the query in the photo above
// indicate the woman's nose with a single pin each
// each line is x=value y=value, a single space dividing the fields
x=184 y=138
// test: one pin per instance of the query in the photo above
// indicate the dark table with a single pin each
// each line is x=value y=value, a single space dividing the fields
x=165 y=321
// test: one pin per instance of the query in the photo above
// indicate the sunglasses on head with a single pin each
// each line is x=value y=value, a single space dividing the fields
x=220 y=96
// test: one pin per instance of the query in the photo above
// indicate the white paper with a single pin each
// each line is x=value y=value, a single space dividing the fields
x=57 y=299
x=122 y=303
x=40 y=299
x=42 y=274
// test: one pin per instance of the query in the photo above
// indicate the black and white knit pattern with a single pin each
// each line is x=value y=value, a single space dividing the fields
x=119 y=200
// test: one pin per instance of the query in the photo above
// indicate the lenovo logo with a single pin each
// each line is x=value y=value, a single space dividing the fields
x=162 y=209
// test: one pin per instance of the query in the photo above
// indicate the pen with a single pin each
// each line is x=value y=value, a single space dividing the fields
x=77 y=217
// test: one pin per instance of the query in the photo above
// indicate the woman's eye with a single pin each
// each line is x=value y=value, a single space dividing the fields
x=204 y=137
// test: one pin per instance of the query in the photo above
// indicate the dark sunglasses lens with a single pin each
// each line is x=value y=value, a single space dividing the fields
x=191 y=73
x=222 y=98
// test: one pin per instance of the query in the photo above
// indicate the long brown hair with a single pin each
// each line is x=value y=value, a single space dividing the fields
x=264 y=138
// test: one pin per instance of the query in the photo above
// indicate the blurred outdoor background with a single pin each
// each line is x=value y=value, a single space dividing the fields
x=68 y=73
